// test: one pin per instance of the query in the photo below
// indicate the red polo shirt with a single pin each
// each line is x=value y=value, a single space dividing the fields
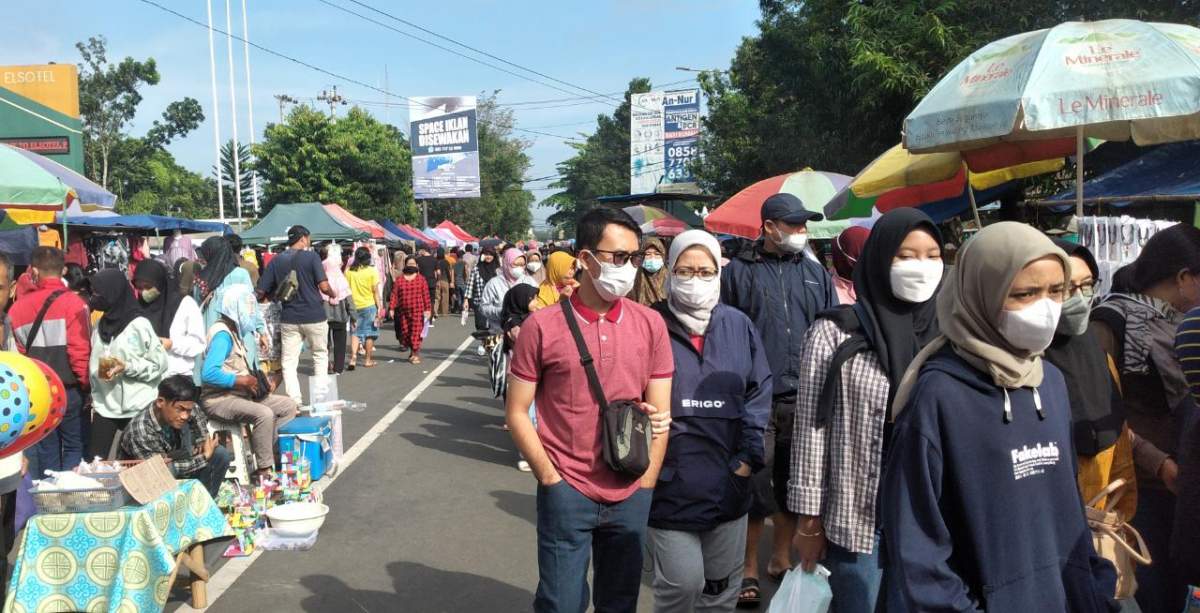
x=629 y=346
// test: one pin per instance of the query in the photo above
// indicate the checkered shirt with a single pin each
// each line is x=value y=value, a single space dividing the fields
x=835 y=469
x=144 y=438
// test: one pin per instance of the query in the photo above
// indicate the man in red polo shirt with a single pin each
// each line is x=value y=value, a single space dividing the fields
x=584 y=509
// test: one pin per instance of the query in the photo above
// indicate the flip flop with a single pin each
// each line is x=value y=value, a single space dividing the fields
x=749 y=585
x=371 y=365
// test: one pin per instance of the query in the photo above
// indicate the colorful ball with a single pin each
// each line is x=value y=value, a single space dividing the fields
x=43 y=421
x=14 y=405
x=31 y=375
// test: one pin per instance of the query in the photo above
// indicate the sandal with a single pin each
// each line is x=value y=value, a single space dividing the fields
x=416 y=359
x=369 y=364
x=750 y=595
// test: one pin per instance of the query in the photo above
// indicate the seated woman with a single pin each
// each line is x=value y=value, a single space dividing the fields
x=230 y=389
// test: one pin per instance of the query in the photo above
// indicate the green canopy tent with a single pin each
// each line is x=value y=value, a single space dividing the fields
x=312 y=215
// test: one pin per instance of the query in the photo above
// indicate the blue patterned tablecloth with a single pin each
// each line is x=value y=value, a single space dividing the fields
x=115 y=562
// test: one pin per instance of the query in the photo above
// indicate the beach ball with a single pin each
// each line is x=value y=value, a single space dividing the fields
x=35 y=382
x=42 y=420
x=14 y=403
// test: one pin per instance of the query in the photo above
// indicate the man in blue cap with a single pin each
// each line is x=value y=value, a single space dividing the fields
x=781 y=289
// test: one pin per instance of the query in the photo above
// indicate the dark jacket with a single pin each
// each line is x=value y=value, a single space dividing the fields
x=720 y=403
x=980 y=514
x=756 y=283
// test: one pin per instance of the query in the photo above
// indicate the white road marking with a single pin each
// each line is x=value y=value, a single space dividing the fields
x=224 y=578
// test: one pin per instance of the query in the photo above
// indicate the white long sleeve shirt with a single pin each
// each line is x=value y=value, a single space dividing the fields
x=187 y=338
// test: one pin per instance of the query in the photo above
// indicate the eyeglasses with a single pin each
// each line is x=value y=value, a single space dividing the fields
x=1087 y=288
x=686 y=274
x=620 y=258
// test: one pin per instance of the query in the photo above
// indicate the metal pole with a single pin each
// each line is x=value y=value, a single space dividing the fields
x=424 y=214
x=1079 y=172
x=250 y=104
x=974 y=207
x=216 y=118
x=236 y=152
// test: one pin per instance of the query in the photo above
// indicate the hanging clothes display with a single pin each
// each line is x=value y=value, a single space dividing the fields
x=1116 y=241
x=106 y=251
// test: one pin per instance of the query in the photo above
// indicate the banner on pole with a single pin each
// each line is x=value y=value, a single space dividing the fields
x=664 y=129
x=445 y=147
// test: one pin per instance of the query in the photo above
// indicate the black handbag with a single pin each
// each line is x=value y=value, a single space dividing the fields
x=624 y=428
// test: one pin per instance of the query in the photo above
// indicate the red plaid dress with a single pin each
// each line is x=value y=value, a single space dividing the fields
x=410 y=302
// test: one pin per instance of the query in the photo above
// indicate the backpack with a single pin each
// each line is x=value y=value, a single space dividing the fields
x=847 y=320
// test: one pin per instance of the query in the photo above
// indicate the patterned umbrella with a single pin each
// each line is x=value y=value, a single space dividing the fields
x=656 y=222
x=740 y=214
x=1118 y=79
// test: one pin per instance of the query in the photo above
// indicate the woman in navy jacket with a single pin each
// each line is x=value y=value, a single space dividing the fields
x=720 y=401
x=980 y=506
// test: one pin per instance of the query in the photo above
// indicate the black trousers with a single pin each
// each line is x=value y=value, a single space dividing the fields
x=104 y=433
x=337 y=346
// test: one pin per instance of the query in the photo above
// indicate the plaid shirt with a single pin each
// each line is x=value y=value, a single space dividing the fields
x=835 y=469
x=411 y=296
x=144 y=438
x=474 y=286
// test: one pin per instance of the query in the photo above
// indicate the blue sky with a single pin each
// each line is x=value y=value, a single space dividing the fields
x=598 y=45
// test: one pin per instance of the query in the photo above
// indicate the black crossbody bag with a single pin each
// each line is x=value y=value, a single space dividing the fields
x=624 y=428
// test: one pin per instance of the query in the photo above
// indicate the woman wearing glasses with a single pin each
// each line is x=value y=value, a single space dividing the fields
x=720 y=401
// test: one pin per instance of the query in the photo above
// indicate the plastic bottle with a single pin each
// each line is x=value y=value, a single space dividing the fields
x=357 y=407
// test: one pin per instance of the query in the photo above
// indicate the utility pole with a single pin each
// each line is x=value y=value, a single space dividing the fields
x=332 y=98
x=284 y=99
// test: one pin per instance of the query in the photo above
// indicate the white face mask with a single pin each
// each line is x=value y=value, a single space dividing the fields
x=794 y=243
x=533 y=267
x=696 y=293
x=916 y=280
x=1031 y=328
x=614 y=281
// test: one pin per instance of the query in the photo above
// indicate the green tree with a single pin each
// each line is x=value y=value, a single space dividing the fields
x=108 y=101
x=355 y=160
x=600 y=166
x=503 y=207
x=246 y=180
x=160 y=186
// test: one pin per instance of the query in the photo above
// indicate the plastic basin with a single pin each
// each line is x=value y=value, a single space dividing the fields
x=297 y=518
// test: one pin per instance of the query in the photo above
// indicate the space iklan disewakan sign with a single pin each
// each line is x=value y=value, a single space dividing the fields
x=444 y=138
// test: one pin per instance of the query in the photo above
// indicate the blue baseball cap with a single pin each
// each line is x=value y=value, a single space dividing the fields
x=788 y=209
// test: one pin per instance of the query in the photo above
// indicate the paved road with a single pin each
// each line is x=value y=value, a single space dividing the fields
x=432 y=516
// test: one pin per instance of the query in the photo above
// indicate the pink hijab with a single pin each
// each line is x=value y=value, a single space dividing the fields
x=333 y=274
x=510 y=255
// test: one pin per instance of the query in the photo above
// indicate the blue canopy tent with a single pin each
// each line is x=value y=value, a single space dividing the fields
x=147 y=223
x=1166 y=173
x=19 y=244
x=398 y=231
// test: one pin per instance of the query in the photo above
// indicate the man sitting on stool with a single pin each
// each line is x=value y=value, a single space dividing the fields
x=175 y=428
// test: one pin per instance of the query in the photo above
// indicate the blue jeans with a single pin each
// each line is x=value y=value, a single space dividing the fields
x=570 y=528
x=213 y=472
x=62 y=449
x=857 y=579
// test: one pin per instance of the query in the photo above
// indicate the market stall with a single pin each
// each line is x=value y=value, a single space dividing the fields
x=457 y=231
x=347 y=218
x=272 y=229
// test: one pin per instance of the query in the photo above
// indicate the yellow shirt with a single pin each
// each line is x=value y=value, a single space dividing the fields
x=362 y=286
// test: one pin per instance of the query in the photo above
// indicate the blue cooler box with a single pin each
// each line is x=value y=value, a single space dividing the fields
x=312 y=438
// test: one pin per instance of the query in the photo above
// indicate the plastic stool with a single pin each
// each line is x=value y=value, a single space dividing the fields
x=243 y=462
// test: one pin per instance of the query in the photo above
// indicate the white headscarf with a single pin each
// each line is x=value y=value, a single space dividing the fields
x=695 y=316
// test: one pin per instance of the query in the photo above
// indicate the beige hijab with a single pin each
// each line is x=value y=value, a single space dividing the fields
x=970 y=302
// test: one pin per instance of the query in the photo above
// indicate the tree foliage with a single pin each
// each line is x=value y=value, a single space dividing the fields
x=355 y=161
x=826 y=84
x=503 y=207
x=245 y=179
x=600 y=166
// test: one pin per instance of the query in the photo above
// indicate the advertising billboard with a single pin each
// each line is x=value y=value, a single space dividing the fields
x=445 y=147
x=39 y=111
x=664 y=130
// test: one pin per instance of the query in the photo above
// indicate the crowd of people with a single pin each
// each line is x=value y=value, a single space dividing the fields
x=931 y=432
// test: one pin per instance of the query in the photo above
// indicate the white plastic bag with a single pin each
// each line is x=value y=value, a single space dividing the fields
x=802 y=592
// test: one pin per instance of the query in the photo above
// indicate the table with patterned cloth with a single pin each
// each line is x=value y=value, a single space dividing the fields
x=119 y=561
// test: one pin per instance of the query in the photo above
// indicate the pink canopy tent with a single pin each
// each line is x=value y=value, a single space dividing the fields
x=458 y=232
x=349 y=219
x=431 y=242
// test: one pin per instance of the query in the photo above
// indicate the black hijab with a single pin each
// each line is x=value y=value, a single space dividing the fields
x=896 y=329
x=515 y=308
x=112 y=294
x=487 y=270
x=218 y=263
x=161 y=311
x=1096 y=411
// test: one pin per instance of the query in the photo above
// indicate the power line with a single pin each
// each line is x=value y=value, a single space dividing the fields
x=319 y=69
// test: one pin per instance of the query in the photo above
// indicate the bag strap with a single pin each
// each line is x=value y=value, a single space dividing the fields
x=1108 y=490
x=37 y=321
x=1141 y=555
x=585 y=357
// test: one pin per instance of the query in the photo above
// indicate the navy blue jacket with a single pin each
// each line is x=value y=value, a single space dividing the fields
x=984 y=514
x=720 y=403
x=782 y=296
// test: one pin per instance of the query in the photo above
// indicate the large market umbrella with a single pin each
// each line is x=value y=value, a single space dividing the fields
x=655 y=221
x=33 y=187
x=740 y=214
x=900 y=178
x=1118 y=79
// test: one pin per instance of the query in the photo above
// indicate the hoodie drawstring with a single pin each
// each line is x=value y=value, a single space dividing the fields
x=1037 y=403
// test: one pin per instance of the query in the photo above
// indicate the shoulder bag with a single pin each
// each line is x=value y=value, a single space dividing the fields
x=1115 y=540
x=624 y=428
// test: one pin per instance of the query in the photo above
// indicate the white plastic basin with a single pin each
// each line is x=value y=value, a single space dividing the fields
x=297 y=518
